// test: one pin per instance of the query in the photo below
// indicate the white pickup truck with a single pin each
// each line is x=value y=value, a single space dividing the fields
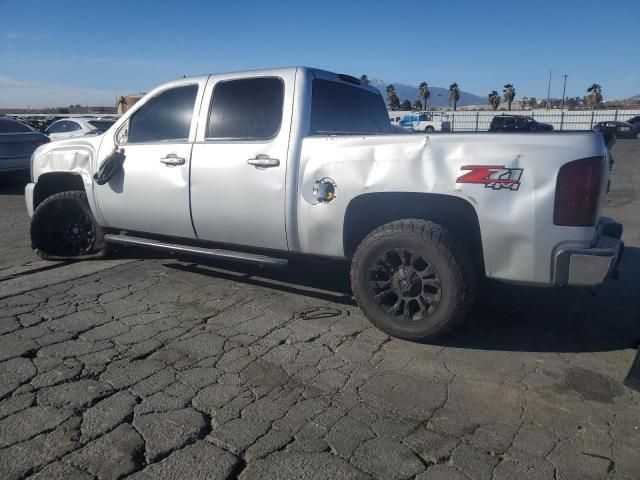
x=427 y=122
x=261 y=166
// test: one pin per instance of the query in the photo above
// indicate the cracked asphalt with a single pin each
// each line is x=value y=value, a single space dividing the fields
x=159 y=367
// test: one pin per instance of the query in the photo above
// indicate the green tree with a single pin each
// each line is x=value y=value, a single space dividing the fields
x=594 y=95
x=424 y=93
x=405 y=105
x=364 y=79
x=533 y=101
x=454 y=95
x=509 y=94
x=494 y=100
x=392 y=98
x=417 y=105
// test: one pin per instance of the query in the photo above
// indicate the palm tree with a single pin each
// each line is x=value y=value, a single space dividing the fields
x=365 y=80
x=509 y=94
x=392 y=98
x=594 y=97
x=454 y=94
x=494 y=100
x=424 y=93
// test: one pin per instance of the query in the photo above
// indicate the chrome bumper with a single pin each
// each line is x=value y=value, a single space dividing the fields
x=591 y=266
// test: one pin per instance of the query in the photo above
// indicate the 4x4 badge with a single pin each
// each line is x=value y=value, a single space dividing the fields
x=496 y=177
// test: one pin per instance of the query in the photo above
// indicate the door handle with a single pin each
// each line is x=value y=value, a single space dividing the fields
x=172 y=159
x=263 y=161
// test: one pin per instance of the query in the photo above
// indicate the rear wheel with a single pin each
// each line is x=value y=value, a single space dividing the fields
x=412 y=279
x=63 y=228
x=429 y=129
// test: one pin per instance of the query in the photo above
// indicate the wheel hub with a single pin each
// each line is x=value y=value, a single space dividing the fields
x=404 y=284
x=70 y=230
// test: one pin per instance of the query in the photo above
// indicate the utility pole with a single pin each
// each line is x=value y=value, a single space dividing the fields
x=549 y=91
x=564 y=89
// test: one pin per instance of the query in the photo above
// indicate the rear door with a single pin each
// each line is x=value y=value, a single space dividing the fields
x=239 y=160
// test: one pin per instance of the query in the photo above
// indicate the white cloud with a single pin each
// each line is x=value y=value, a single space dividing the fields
x=16 y=93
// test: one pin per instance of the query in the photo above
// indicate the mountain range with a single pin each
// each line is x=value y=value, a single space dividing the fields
x=439 y=96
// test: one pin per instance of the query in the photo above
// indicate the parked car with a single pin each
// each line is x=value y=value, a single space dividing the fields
x=619 y=129
x=17 y=142
x=427 y=122
x=237 y=166
x=635 y=121
x=518 y=123
x=76 y=127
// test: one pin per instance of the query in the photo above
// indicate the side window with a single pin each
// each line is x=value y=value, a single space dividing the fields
x=72 y=127
x=167 y=116
x=55 y=127
x=247 y=108
x=339 y=108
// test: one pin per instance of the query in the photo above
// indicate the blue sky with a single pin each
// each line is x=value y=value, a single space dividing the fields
x=56 y=53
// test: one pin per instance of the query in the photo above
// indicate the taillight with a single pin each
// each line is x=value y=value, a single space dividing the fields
x=578 y=192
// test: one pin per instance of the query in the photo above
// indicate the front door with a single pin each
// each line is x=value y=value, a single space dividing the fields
x=239 y=160
x=151 y=194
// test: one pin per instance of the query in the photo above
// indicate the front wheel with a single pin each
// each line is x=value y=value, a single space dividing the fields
x=63 y=228
x=412 y=279
x=429 y=129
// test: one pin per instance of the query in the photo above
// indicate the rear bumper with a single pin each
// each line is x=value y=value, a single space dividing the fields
x=591 y=266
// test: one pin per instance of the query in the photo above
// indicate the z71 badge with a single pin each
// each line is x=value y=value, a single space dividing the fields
x=496 y=177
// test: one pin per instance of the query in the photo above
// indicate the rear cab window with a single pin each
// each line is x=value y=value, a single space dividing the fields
x=339 y=108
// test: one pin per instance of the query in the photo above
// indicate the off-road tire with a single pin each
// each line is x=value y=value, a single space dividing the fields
x=46 y=228
x=451 y=261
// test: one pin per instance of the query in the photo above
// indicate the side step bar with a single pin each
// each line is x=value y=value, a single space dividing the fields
x=200 y=251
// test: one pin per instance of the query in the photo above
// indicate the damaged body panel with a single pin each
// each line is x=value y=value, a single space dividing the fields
x=518 y=237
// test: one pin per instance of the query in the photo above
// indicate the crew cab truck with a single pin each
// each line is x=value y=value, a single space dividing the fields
x=261 y=166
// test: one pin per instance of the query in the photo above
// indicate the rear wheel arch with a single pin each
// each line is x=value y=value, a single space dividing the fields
x=369 y=211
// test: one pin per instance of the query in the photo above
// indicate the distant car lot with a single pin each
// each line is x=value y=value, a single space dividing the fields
x=77 y=127
x=619 y=129
x=163 y=368
x=17 y=142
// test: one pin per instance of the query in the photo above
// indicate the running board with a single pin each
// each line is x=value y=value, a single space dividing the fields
x=200 y=251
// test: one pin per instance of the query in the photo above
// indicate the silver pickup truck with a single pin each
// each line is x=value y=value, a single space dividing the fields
x=261 y=166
